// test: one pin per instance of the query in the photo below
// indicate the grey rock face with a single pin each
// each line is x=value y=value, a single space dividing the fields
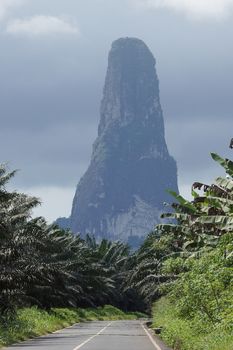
x=123 y=190
x=63 y=223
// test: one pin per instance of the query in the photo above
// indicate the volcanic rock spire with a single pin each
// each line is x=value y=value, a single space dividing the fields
x=123 y=190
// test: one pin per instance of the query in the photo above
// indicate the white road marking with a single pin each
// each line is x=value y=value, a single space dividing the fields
x=94 y=336
x=157 y=347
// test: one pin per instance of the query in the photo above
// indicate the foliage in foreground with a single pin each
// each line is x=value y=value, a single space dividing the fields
x=189 y=334
x=31 y=322
x=197 y=312
x=46 y=266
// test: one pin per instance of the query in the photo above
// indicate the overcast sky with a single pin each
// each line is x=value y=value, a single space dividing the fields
x=53 y=61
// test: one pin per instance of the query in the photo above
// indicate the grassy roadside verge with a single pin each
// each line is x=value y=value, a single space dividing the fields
x=184 y=334
x=32 y=322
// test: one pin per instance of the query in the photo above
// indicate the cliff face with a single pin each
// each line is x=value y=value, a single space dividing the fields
x=123 y=190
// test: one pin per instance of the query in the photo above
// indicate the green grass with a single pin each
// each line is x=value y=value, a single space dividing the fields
x=32 y=322
x=185 y=334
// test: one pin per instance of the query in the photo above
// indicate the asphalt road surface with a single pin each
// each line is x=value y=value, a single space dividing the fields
x=116 y=335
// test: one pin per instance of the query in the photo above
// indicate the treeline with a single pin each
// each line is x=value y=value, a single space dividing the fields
x=190 y=264
x=43 y=265
x=197 y=229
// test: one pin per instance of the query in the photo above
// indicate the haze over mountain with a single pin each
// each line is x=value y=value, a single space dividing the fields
x=123 y=191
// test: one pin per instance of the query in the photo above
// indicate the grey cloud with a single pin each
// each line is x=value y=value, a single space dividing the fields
x=42 y=26
x=53 y=157
x=192 y=148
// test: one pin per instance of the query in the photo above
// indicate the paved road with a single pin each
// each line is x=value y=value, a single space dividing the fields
x=117 y=335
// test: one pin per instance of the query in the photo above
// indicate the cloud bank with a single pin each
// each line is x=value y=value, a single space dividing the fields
x=6 y=5
x=41 y=25
x=198 y=9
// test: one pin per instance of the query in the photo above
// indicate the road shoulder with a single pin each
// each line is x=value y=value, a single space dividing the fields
x=155 y=340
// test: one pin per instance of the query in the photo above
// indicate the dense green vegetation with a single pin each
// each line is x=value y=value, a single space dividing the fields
x=197 y=312
x=31 y=322
x=185 y=267
x=45 y=266
x=189 y=333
